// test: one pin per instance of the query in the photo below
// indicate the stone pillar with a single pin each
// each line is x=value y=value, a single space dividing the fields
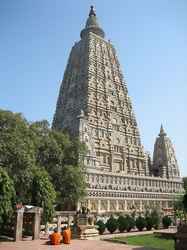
x=141 y=208
x=69 y=220
x=133 y=203
x=36 y=225
x=78 y=206
x=160 y=205
x=75 y=219
x=117 y=205
x=108 y=205
x=125 y=205
x=59 y=220
x=99 y=206
x=89 y=205
x=18 y=230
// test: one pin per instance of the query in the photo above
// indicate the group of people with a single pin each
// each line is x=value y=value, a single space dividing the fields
x=56 y=238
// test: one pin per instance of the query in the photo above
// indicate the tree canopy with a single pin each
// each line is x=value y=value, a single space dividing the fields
x=42 y=165
x=43 y=193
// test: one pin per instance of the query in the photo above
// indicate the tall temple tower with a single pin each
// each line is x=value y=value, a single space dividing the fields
x=164 y=160
x=94 y=105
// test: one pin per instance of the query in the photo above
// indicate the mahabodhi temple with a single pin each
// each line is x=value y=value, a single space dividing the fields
x=94 y=105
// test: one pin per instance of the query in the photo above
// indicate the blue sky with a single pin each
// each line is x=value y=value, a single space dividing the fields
x=151 y=41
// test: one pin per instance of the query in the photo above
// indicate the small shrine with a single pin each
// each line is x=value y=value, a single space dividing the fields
x=85 y=224
x=30 y=214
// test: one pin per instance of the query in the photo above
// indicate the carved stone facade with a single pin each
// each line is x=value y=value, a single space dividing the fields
x=164 y=160
x=93 y=104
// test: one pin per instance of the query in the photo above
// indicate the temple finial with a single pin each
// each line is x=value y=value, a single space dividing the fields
x=92 y=11
x=92 y=25
x=162 y=132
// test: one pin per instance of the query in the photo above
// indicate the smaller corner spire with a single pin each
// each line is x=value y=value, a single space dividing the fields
x=92 y=11
x=162 y=132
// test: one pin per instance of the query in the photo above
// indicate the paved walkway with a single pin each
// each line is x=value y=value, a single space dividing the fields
x=95 y=244
x=75 y=245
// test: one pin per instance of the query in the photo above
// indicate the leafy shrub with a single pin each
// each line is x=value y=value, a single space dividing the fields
x=130 y=223
x=112 y=224
x=122 y=223
x=149 y=222
x=100 y=226
x=140 y=223
x=156 y=219
x=166 y=221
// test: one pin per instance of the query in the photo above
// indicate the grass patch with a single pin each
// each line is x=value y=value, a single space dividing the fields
x=150 y=241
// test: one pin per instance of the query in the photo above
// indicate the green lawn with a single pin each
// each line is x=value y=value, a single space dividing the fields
x=150 y=241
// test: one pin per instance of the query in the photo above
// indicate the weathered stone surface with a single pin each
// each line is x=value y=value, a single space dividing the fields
x=18 y=227
x=94 y=104
x=86 y=230
x=164 y=160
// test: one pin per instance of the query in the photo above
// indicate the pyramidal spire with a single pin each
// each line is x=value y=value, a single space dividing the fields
x=162 y=132
x=92 y=25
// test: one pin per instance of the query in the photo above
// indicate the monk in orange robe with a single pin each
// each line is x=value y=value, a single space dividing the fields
x=55 y=238
x=67 y=235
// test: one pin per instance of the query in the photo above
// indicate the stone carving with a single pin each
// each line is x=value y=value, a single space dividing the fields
x=94 y=104
x=164 y=160
x=35 y=213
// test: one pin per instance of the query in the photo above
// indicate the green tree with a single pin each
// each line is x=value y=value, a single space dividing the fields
x=24 y=145
x=178 y=208
x=122 y=223
x=17 y=152
x=100 y=226
x=72 y=188
x=130 y=222
x=166 y=221
x=7 y=197
x=48 y=153
x=149 y=222
x=112 y=224
x=140 y=223
x=43 y=193
x=60 y=155
x=156 y=218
